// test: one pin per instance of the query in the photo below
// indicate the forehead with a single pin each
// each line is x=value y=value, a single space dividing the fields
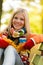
x=19 y=14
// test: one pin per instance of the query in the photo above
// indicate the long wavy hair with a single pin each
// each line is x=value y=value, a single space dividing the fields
x=26 y=19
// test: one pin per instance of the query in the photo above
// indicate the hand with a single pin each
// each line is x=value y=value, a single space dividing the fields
x=20 y=47
x=5 y=33
x=15 y=34
x=11 y=31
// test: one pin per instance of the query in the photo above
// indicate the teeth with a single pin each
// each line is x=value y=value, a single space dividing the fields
x=16 y=25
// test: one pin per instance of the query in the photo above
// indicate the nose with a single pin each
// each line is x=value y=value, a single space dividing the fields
x=18 y=20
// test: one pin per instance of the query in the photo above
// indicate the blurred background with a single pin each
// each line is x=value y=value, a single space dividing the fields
x=35 y=13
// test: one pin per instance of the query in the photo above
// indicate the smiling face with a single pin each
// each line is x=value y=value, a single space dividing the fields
x=18 y=21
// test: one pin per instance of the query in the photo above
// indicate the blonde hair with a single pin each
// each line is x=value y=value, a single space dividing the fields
x=27 y=25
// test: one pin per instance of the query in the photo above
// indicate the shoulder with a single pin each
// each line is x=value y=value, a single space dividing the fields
x=30 y=35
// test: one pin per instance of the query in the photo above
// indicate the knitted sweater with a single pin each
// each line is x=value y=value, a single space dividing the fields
x=29 y=44
x=32 y=39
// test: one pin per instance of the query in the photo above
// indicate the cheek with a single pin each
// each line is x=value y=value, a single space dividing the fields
x=13 y=20
x=22 y=22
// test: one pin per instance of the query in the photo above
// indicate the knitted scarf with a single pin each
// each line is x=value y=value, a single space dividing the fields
x=17 y=35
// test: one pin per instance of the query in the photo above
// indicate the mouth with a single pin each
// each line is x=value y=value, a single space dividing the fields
x=17 y=25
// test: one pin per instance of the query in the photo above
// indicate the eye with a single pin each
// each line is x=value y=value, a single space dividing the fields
x=15 y=17
x=22 y=19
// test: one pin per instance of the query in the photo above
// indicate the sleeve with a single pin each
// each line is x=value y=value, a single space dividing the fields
x=29 y=44
x=3 y=43
x=38 y=38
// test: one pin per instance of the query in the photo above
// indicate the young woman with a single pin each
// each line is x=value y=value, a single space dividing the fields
x=19 y=32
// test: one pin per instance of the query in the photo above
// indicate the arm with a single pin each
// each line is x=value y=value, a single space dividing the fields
x=32 y=40
x=4 y=42
x=38 y=38
x=27 y=45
